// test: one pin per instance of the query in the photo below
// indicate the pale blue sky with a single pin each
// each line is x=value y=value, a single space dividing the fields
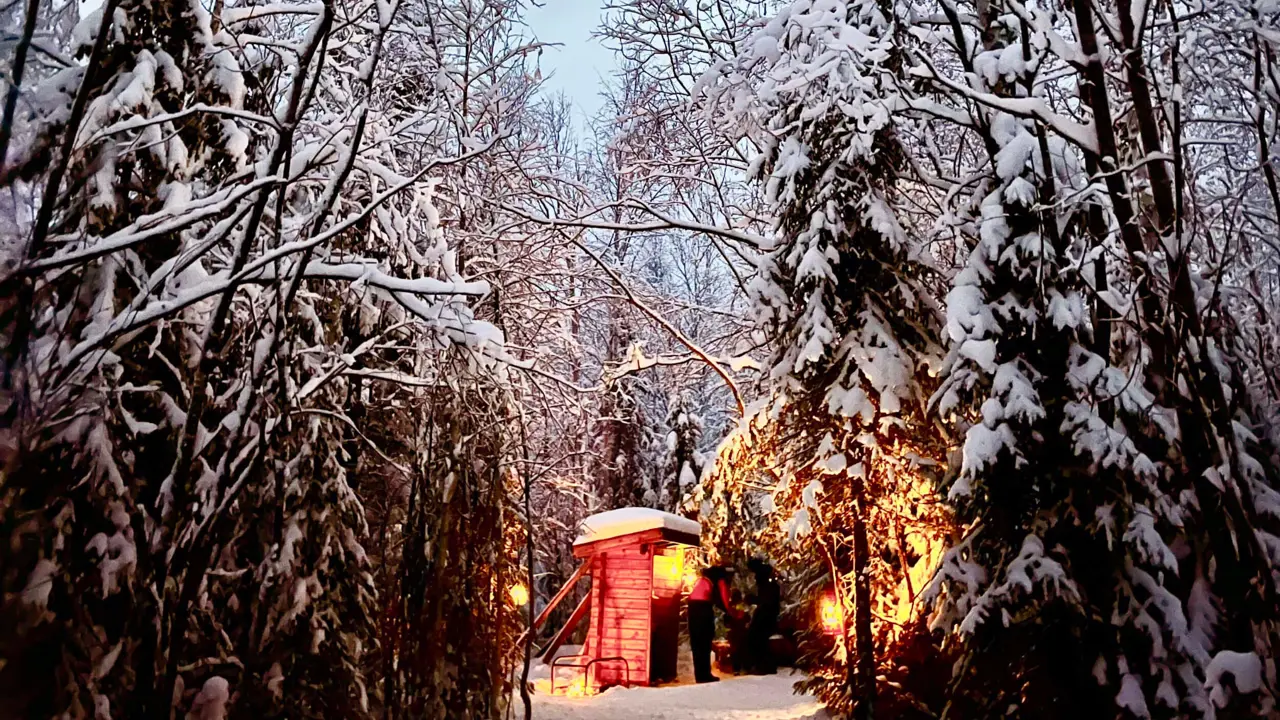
x=578 y=67
x=581 y=64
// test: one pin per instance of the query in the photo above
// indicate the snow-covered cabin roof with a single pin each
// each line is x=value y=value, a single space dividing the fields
x=626 y=521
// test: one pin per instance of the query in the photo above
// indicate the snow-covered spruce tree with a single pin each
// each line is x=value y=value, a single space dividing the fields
x=682 y=463
x=622 y=445
x=844 y=300
x=1017 y=320
x=1112 y=491
x=84 y=456
x=448 y=629
x=182 y=531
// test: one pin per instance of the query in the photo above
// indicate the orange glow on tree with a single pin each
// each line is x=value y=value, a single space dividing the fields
x=690 y=577
x=830 y=615
x=519 y=594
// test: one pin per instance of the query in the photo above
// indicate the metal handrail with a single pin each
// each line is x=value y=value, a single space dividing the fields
x=586 y=668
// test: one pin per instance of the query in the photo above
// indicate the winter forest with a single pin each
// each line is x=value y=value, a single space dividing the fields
x=324 y=323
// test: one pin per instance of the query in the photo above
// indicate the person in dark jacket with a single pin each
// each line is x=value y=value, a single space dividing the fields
x=764 y=619
x=711 y=590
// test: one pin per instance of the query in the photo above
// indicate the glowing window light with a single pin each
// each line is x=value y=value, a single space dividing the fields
x=666 y=572
x=519 y=594
x=830 y=615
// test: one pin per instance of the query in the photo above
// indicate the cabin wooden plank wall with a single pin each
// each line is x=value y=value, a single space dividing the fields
x=634 y=611
x=621 y=623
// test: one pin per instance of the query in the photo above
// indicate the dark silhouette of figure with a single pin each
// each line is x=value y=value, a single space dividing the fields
x=764 y=619
x=711 y=590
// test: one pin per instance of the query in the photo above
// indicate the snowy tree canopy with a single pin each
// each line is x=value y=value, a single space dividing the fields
x=326 y=324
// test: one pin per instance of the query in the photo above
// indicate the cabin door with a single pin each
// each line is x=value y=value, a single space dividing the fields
x=664 y=618
x=664 y=643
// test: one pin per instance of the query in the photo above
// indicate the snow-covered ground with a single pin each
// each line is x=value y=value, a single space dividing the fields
x=767 y=697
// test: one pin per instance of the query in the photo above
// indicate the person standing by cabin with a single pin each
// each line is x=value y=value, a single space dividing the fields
x=764 y=619
x=712 y=589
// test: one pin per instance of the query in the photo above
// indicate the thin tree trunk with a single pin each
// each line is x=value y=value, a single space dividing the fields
x=210 y=357
x=864 y=666
x=1148 y=125
x=15 y=82
x=1094 y=86
x=1162 y=190
x=1096 y=225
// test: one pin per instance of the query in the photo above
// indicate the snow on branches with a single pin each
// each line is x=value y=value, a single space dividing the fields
x=1042 y=173
x=854 y=332
x=1088 y=484
x=228 y=243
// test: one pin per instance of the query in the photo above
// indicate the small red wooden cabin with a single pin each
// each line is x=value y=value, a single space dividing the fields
x=636 y=560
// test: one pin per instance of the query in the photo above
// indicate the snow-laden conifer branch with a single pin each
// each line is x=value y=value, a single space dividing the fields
x=1080 y=134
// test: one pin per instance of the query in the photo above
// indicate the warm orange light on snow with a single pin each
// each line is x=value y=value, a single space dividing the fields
x=519 y=594
x=577 y=688
x=830 y=615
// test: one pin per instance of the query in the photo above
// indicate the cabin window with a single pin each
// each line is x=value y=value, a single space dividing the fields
x=668 y=571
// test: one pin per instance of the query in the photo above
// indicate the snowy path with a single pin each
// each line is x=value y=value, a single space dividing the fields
x=733 y=698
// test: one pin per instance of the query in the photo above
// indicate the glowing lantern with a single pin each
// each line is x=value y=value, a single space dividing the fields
x=831 y=616
x=519 y=594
